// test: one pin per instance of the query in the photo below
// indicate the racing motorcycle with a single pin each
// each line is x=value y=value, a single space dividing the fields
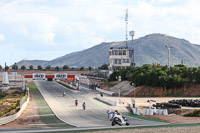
x=64 y=94
x=120 y=120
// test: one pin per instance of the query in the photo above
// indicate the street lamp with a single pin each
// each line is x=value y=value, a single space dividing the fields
x=168 y=48
x=132 y=33
x=15 y=72
x=119 y=79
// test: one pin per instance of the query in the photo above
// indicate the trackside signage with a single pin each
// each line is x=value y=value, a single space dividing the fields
x=39 y=76
x=60 y=75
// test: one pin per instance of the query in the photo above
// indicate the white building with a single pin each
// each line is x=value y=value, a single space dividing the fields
x=120 y=57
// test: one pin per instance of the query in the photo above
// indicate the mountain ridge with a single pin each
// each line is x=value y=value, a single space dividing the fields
x=148 y=49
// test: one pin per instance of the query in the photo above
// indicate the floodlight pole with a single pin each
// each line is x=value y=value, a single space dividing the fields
x=168 y=48
x=132 y=33
x=119 y=91
x=15 y=72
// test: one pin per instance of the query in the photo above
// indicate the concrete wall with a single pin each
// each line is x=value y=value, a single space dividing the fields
x=105 y=91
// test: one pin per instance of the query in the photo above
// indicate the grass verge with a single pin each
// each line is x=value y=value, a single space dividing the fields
x=65 y=85
x=44 y=109
x=130 y=128
x=144 y=118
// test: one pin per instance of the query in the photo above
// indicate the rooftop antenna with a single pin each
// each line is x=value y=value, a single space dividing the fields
x=126 y=20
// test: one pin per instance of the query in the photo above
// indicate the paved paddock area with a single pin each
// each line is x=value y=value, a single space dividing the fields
x=65 y=109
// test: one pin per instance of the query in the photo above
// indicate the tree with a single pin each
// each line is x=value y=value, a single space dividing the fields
x=104 y=67
x=82 y=68
x=48 y=67
x=23 y=67
x=72 y=68
x=0 y=67
x=31 y=67
x=113 y=76
x=6 y=68
x=39 y=67
x=15 y=67
x=65 y=67
x=57 y=68
x=89 y=68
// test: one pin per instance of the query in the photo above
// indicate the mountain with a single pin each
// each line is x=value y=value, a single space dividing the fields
x=148 y=49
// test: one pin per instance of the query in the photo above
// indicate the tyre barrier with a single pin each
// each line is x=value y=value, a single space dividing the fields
x=178 y=103
x=186 y=102
x=166 y=105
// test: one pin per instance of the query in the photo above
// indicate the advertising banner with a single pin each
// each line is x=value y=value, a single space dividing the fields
x=38 y=76
x=60 y=75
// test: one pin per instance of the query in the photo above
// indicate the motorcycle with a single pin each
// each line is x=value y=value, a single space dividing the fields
x=76 y=102
x=84 y=107
x=64 y=94
x=120 y=120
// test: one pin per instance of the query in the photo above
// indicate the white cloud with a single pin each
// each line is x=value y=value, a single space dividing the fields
x=2 y=37
x=73 y=25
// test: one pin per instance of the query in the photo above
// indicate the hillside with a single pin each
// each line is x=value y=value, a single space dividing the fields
x=148 y=49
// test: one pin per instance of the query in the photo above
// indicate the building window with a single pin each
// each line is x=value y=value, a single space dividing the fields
x=113 y=53
x=117 y=61
x=116 y=52
x=124 y=52
x=120 y=52
x=126 y=61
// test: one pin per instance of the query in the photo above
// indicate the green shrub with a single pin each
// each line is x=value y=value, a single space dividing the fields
x=195 y=113
x=2 y=94
x=14 y=101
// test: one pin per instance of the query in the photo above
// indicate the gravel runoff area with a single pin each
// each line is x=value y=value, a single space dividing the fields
x=192 y=129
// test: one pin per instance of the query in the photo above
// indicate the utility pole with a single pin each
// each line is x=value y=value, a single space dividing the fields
x=168 y=48
x=132 y=33
x=15 y=72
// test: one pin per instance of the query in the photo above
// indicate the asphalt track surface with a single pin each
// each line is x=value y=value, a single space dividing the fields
x=65 y=109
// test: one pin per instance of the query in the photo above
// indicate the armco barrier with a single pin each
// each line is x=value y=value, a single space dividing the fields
x=105 y=91
x=74 y=87
x=104 y=99
x=11 y=118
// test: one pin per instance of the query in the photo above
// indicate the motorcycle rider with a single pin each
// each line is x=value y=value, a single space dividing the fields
x=76 y=102
x=64 y=93
x=84 y=106
x=110 y=114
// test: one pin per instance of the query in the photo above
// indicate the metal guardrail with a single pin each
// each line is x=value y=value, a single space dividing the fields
x=7 y=119
x=105 y=100
x=105 y=91
x=74 y=87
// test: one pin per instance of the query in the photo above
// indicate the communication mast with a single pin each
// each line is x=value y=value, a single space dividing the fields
x=126 y=20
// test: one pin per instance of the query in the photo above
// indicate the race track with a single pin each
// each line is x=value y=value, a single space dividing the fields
x=65 y=109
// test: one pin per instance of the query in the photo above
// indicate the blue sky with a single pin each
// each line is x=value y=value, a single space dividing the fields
x=47 y=29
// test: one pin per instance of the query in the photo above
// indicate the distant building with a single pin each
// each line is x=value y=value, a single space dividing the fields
x=120 y=57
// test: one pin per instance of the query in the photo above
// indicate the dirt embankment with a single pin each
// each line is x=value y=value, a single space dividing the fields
x=143 y=91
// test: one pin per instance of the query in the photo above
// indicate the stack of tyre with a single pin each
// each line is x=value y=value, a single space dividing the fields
x=166 y=105
x=186 y=102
